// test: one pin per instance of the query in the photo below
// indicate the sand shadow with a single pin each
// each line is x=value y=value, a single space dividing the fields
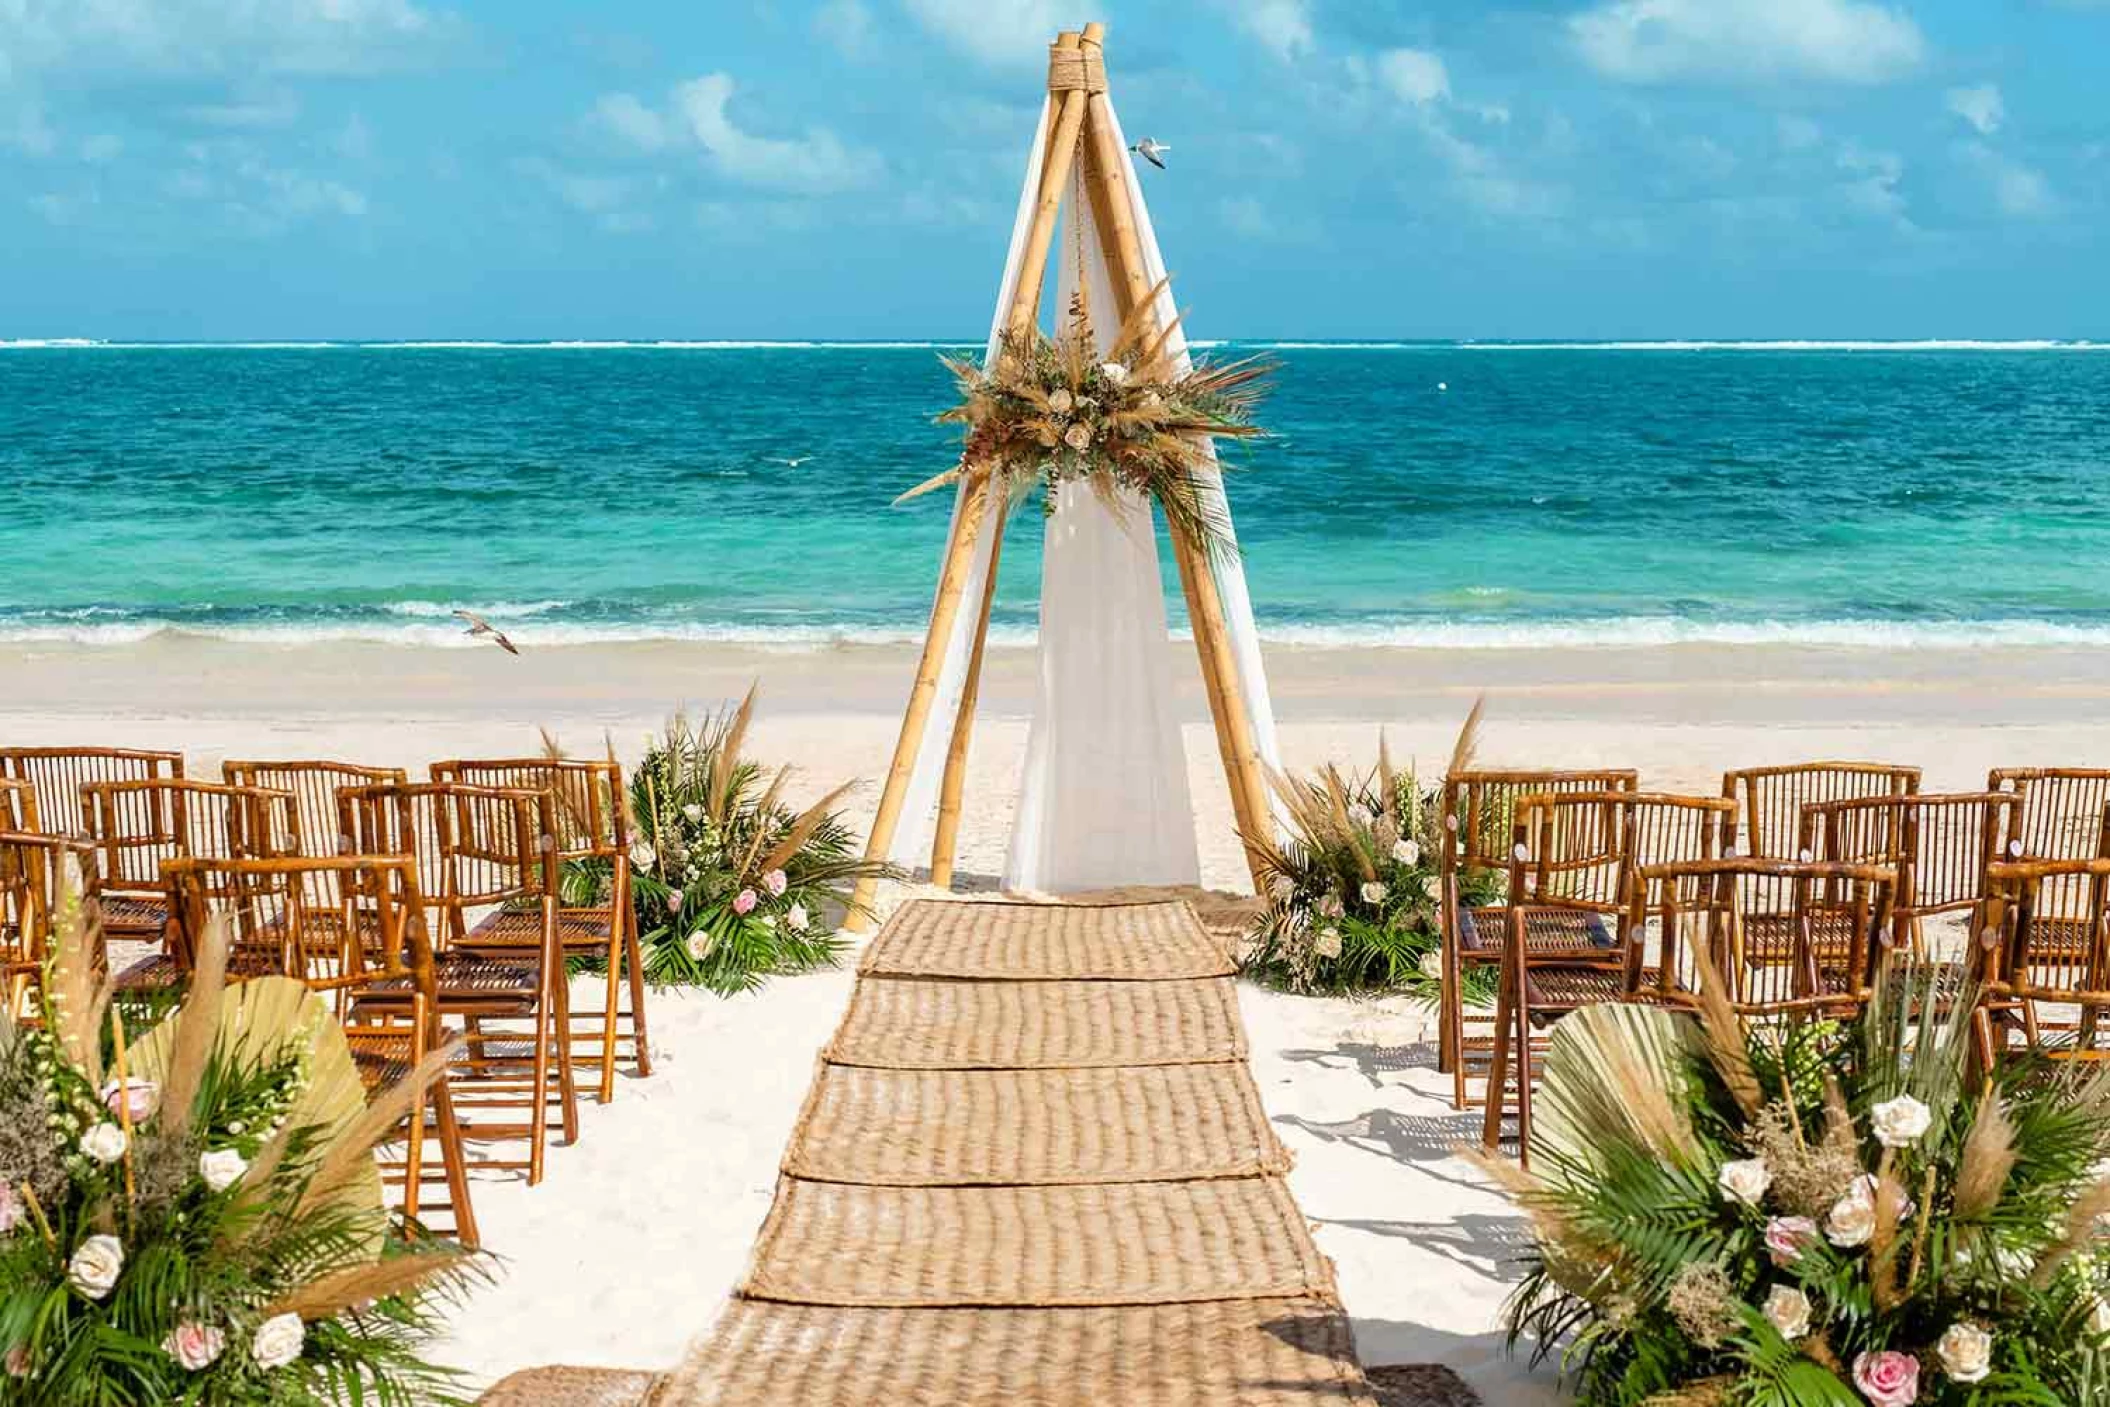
x=1372 y=1062
x=1490 y=1246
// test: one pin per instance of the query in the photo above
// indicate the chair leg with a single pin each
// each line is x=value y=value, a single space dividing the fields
x=1524 y=1073
x=414 y=1156
x=608 y=1012
x=1497 y=1072
x=567 y=1091
x=455 y=1160
x=636 y=962
x=538 y=1098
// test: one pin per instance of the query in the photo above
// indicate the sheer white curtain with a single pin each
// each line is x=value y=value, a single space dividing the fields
x=1103 y=797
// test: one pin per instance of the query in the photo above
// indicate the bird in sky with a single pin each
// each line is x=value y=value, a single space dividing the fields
x=479 y=626
x=1151 y=150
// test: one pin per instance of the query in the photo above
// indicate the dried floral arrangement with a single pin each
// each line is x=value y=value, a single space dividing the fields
x=1131 y=422
x=196 y=1216
x=731 y=884
x=1354 y=894
x=1815 y=1213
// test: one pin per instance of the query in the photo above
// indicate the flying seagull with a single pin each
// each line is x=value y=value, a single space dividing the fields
x=795 y=463
x=479 y=626
x=1151 y=150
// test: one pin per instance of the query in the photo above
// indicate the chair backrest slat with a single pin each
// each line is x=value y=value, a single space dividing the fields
x=314 y=785
x=1939 y=843
x=1480 y=811
x=475 y=847
x=138 y=825
x=1770 y=799
x=592 y=812
x=57 y=775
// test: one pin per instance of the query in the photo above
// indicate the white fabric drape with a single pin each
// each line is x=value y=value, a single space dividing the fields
x=1103 y=796
x=912 y=837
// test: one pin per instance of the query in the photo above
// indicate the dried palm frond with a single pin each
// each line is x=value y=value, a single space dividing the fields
x=802 y=828
x=1612 y=1075
x=192 y=1035
x=350 y=1154
x=356 y=1285
x=1723 y=1039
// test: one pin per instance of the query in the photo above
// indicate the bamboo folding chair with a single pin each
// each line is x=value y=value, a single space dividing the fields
x=1939 y=845
x=315 y=786
x=480 y=849
x=33 y=877
x=348 y=927
x=1478 y=817
x=2045 y=945
x=18 y=806
x=1769 y=800
x=57 y=775
x=137 y=826
x=1578 y=853
x=594 y=819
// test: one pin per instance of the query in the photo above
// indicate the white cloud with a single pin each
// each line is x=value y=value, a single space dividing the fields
x=1980 y=106
x=220 y=36
x=1835 y=41
x=1872 y=182
x=1796 y=132
x=624 y=115
x=1003 y=32
x=276 y=108
x=2020 y=192
x=1283 y=26
x=699 y=116
x=1416 y=76
x=847 y=25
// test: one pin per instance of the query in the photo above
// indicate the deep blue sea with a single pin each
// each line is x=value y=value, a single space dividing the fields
x=1481 y=494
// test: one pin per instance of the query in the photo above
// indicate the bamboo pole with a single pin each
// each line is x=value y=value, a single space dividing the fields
x=959 y=547
x=1219 y=668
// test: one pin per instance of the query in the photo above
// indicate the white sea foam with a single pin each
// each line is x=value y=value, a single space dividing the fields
x=427 y=624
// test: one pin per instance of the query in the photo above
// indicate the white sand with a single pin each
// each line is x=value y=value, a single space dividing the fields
x=632 y=1242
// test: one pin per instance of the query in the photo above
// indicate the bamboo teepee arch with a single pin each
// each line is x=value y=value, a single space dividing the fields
x=1082 y=134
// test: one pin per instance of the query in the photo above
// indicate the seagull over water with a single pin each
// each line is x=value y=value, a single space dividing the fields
x=479 y=626
x=795 y=463
x=1151 y=150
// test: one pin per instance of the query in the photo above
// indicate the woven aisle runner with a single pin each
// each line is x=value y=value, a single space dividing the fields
x=1033 y=1171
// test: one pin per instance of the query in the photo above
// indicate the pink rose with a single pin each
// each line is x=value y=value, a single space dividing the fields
x=674 y=901
x=774 y=882
x=1786 y=1236
x=10 y=1208
x=136 y=1099
x=744 y=902
x=194 y=1345
x=1888 y=1378
x=18 y=1361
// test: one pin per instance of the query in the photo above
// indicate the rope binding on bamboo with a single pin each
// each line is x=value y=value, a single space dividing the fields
x=1081 y=70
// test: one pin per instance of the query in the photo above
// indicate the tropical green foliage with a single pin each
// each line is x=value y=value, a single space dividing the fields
x=1353 y=892
x=1814 y=1214
x=731 y=884
x=196 y=1216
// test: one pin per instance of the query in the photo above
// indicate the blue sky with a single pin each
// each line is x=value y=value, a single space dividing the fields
x=235 y=169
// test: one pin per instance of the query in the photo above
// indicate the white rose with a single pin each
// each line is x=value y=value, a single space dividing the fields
x=222 y=1168
x=1328 y=943
x=1114 y=372
x=1852 y=1219
x=1060 y=400
x=1787 y=1309
x=693 y=811
x=105 y=1143
x=1432 y=965
x=278 y=1341
x=1965 y=1351
x=795 y=918
x=96 y=1266
x=1900 y=1122
x=1078 y=437
x=2012 y=1263
x=1406 y=852
x=2099 y=1318
x=1431 y=887
x=699 y=944
x=769 y=921
x=1744 y=1180
x=641 y=856
x=1374 y=893
x=194 y=1346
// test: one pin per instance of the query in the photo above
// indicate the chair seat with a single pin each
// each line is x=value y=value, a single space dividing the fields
x=462 y=979
x=1547 y=929
x=381 y=1057
x=1770 y=938
x=2059 y=940
x=1558 y=989
x=580 y=928
x=125 y=915
x=161 y=971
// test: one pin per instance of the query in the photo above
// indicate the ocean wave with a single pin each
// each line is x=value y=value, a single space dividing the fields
x=1931 y=344
x=428 y=625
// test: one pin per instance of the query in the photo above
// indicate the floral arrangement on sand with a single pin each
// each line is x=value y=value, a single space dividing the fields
x=196 y=1216
x=731 y=884
x=1816 y=1213
x=1139 y=419
x=1354 y=894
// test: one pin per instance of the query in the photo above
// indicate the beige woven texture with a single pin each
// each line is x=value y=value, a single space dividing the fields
x=923 y=1128
x=1101 y=1244
x=1025 y=942
x=1216 y=1353
x=1041 y=1179
x=916 y=1023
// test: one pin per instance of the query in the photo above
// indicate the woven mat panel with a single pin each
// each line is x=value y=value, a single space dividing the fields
x=912 y=1023
x=572 y=1387
x=1219 y=1353
x=1024 y=942
x=1420 y=1385
x=916 y=1128
x=1103 y=1244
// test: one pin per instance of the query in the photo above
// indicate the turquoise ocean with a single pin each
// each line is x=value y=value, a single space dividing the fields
x=1477 y=494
